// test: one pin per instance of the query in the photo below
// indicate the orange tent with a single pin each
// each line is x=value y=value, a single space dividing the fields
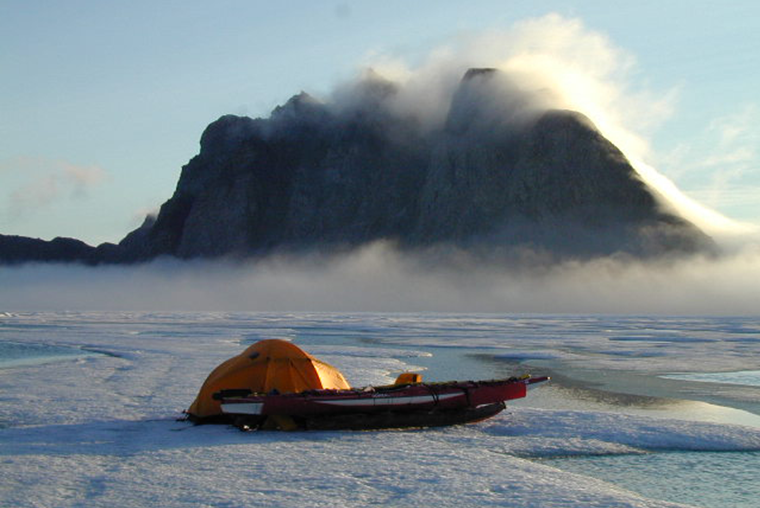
x=267 y=365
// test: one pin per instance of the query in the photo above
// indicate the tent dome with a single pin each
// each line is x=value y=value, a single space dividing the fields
x=265 y=366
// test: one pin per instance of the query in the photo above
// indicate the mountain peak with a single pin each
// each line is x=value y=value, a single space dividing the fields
x=504 y=174
x=479 y=72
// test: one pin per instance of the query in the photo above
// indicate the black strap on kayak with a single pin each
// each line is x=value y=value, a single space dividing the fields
x=434 y=393
x=467 y=395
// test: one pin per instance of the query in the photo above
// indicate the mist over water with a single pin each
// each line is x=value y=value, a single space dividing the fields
x=380 y=278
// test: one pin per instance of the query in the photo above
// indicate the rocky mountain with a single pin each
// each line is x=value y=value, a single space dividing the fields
x=501 y=173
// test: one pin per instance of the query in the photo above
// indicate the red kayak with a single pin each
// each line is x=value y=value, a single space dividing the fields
x=393 y=406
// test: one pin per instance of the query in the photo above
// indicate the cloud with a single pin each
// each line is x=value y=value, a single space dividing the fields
x=735 y=153
x=736 y=127
x=143 y=213
x=726 y=150
x=46 y=181
x=560 y=58
x=558 y=62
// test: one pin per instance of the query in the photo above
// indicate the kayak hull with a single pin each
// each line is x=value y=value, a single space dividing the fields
x=385 y=407
x=371 y=421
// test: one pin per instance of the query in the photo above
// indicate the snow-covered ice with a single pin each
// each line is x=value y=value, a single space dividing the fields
x=101 y=431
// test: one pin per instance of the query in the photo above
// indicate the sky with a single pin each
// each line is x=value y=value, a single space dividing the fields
x=102 y=103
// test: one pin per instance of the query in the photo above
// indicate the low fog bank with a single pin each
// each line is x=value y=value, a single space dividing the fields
x=380 y=278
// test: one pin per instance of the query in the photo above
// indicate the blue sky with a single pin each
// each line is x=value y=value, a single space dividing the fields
x=101 y=103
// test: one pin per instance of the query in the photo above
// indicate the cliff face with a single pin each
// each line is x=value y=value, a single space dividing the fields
x=497 y=175
x=502 y=172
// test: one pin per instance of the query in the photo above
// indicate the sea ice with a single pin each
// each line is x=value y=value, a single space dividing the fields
x=101 y=431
